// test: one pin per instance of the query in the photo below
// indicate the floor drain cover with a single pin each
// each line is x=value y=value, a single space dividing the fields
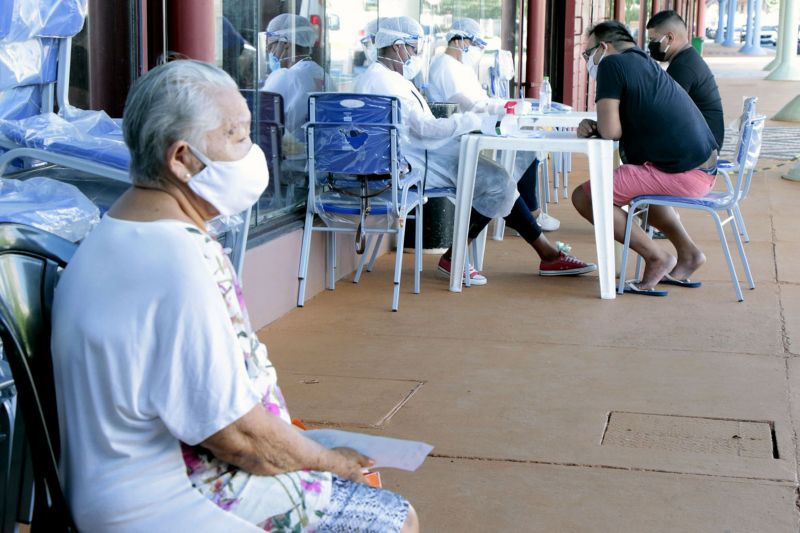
x=743 y=438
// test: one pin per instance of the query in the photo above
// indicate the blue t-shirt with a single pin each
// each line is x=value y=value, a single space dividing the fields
x=660 y=122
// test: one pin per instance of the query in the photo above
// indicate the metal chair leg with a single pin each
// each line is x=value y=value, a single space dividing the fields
x=734 y=278
x=745 y=263
x=418 y=248
x=372 y=259
x=740 y=222
x=625 y=248
x=363 y=259
x=398 y=266
x=304 y=252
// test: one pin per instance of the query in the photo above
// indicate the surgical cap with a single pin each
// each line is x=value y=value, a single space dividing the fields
x=371 y=28
x=291 y=29
x=393 y=29
x=466 y=28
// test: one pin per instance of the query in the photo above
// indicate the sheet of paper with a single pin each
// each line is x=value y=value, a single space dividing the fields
x=385 y=451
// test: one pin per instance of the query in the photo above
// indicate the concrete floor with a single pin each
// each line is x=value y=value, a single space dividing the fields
x=546 y=404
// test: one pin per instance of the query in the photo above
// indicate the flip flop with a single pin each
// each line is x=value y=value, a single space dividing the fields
x=669 y=280
x=632 y=288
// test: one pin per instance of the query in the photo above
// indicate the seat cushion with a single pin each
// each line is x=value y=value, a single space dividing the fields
x=713 y=200
x=84 y=134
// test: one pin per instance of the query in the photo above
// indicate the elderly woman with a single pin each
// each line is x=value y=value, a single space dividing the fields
x=170 y=413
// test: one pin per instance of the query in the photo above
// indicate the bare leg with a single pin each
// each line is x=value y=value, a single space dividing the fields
x=690 y=258
x=411 y=524
x=657 y=262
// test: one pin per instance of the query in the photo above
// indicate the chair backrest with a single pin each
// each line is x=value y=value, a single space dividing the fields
x=749 y=149
x=35 y=41
x=267 y=111
x=30 y=263
x=748 y=112
x=353 y=107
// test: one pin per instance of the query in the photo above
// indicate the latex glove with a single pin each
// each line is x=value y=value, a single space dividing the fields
x=489 y=124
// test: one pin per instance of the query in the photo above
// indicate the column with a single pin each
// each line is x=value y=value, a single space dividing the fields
x=788 y=69
x=534 y=66
x=654 y=7
x=700 y=23
x=619 y=10
x=723 y=6
x=793 y=174
x=748 y=37
x=191 y=28
x=731 y=24
x=757 y=50
x=778 y=50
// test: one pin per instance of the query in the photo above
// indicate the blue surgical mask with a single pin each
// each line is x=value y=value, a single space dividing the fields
x=274 y=62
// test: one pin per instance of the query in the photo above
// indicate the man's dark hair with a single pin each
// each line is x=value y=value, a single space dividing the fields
x=611 y=31
x=666 y=17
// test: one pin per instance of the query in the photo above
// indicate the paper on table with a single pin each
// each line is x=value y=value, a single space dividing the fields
x=385 y=451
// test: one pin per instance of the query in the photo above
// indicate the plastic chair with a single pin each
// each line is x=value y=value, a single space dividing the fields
x=748 y=112
x=35 y=42
x=712 y=203
x=30 y=262
x=347 y=152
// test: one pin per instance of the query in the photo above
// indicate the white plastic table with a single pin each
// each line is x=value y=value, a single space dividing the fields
x=600 y=153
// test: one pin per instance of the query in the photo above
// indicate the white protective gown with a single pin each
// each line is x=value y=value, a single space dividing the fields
x=495 y=191
x=450 y=80
x=294 y=84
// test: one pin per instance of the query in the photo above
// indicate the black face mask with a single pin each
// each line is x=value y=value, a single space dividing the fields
x=654 y=47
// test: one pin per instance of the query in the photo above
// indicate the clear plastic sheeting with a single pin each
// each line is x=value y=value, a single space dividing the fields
x=30 y=62
x=22 y=19
x=86 y=134
x=49 y=205
x=750 y=159
x=339 y=210
x=353 y=107
x=352 y=149
x=20 y=102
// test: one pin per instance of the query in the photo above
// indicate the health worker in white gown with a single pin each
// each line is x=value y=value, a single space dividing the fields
x=431 y=145
x=453 y=78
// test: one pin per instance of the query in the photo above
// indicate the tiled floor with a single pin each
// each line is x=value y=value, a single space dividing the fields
x=514 y=382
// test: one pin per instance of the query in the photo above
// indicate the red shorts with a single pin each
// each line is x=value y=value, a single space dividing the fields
x=631 y=181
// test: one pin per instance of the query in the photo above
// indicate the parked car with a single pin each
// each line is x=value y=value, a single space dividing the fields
x=769 y=35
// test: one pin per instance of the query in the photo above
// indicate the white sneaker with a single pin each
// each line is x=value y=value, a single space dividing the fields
x=547 y=222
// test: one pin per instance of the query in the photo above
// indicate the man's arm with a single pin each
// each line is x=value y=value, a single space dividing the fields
x=263 y=444
x=608 y=123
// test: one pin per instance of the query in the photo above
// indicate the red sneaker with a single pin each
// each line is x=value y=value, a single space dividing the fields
x=565 y=265
x=475 y=277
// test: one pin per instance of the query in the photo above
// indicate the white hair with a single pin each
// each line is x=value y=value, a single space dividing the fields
x=172 y=102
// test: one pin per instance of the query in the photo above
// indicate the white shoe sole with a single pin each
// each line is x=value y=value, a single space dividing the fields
x=570 y=272
x=474 y=281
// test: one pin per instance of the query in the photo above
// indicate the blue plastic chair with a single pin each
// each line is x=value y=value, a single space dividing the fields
x=348 y=153
x=712 y=203
x=34 y=76
x=748 y=112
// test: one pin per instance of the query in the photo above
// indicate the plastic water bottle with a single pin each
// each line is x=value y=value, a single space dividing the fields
x=545 y=95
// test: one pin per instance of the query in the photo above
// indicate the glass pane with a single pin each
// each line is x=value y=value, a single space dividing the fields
x=273 y=51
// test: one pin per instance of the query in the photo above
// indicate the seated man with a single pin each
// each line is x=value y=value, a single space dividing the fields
x=669 y=150
x=293 y=74
x=669 y=41
x=453 y=78
x=431 y=145
x=170 y=412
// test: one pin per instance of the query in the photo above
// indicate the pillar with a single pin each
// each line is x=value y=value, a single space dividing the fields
x=534 y=67
x=788 y=69
x=723 y=6
x=642 y=22
x=619 y=10
x=731 y=24
x=757 y=50
x=654 y=8
x=111 y=64
x=191 y=28
x=778 y=50
x=748 y=28
x=700 y=22
x=793 y=174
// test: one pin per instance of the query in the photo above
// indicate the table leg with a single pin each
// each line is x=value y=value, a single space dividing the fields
x=465 y=188
x=601 y=181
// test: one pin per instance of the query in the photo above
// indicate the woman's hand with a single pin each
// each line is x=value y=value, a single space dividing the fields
x=350 y=464
x=587 y=128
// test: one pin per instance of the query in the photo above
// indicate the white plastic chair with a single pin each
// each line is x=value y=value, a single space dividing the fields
x=712 y=203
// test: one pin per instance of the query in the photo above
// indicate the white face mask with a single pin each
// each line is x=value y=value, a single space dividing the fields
x=372 y=53
x=231 y=186
x=411 y=66
x=472 y=56
x=592 y=66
